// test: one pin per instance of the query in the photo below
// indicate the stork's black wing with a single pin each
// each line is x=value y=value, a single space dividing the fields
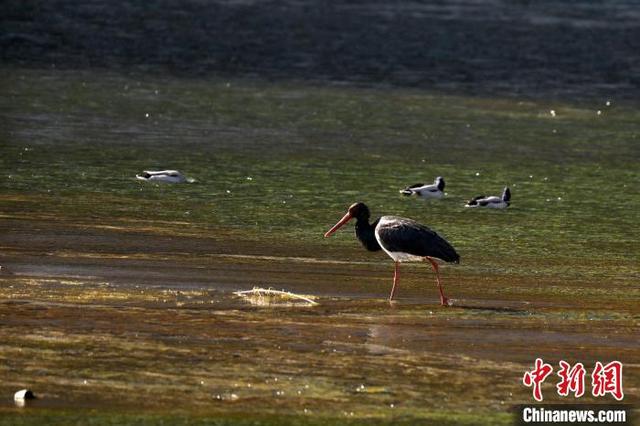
x=408 y=236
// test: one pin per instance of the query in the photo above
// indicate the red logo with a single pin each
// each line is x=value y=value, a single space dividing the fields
x=572 y=379
x=536 y=377
x=605 y=379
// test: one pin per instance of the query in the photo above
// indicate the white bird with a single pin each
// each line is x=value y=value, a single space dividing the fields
x=435 y=190
x=167 y=176
x=22 y=397
x=492 y=202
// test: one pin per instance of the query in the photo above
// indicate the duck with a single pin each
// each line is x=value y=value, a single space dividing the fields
x=492 y=202
x=435 y=190
x=167 y=176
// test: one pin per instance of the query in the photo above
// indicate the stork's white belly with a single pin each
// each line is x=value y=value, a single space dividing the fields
x=399 y=256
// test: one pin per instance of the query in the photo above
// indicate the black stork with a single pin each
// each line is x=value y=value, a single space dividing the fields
x=404 y=240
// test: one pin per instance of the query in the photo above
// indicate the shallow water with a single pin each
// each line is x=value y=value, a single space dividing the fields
x=116 y=293
x=88 y=342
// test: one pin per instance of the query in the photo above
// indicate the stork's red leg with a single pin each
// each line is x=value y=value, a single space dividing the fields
x=443 y=300
x=396 y=275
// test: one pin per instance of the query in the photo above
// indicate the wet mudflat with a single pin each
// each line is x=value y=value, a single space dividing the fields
x=117 y=297
x=141 y=336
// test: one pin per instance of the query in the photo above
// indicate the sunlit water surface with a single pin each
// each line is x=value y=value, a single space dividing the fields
x=119 y=293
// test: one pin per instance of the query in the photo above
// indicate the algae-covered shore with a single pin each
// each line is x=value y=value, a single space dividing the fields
x=118 y=295
x=117 y=301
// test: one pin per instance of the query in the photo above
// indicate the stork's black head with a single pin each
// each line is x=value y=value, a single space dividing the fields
x=358 y=210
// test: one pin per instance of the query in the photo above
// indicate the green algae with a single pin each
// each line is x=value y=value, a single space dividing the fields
x=315 y=167
x=88 y=417
x=121 y=292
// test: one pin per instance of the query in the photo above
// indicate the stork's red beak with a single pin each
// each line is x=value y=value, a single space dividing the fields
x=347 y=217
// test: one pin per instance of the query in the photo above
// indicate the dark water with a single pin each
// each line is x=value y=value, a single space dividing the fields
x=551 y=48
